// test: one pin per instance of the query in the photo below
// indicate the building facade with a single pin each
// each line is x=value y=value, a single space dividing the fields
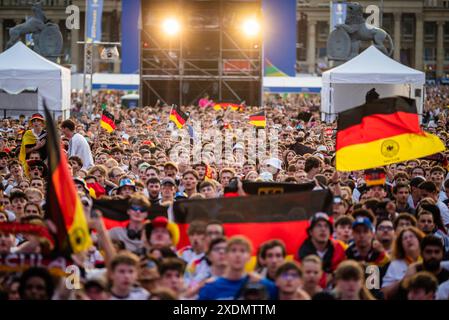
x=13 y=12
x=419 y=29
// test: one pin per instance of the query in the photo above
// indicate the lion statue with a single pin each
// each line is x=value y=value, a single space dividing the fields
x=358 y=30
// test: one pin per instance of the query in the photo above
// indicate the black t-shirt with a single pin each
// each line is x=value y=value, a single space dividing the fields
x=441 y=277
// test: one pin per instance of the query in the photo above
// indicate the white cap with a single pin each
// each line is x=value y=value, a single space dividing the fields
x=322 y=148
x=274 y=162
x=238 y=145
x=319 y=155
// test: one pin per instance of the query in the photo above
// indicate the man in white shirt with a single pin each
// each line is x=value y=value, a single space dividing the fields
x=123 y=273
x=78 y=145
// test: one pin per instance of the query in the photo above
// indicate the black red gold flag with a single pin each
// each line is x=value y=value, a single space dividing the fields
x=63 y=206
x=178 y=117
x=258 y=120
x=107 y=121
x=259 y=218
x=382 y=132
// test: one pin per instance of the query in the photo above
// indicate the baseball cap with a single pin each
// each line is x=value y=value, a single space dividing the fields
x=168 y=180
x=126 y=182
x=274 y=162
x=144 y=165
x=321 y=148
x=163 y=222
x=82 y=183
x=37 y=116
x=170 y=163
x=320 y=216
x=416 y=181
x=363 y=221
x=238 y=146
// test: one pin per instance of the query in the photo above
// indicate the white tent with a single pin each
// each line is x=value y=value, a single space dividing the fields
x=22 y=69
x=345 y=86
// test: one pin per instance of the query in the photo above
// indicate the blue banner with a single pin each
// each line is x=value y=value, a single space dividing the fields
x=279 y=18
x=130 y=36
x=338 y=14
x=94 y=15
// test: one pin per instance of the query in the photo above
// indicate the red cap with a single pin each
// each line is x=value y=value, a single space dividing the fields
x=159 y=222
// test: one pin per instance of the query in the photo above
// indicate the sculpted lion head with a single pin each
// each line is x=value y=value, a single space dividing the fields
x=354 y=13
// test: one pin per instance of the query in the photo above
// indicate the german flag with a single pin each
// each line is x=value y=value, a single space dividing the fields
x=259 y=218
x=259 y=120
x=63 y=206
x=226 y=105
x=27 y=139
x=107 y=121
x=178 y=117
x=382 y=132
x=114 y=212
x=375 y=177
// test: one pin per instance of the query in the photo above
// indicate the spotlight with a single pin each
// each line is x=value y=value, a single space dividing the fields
x=251 y=27
x=171 y=26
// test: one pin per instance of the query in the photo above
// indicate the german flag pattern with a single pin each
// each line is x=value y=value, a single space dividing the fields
x=226 y=105
x=375 y=177
x=259 y=218
x=63 y=206
x=107 y=121
x=258 y=120
x=382 y=132
x=178 y=117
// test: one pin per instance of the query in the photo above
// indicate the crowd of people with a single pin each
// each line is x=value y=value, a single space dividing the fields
x=385 y=241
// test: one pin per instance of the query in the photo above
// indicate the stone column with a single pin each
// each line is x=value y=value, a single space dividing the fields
x=440 y=48
x=419 y=42
x=397 y=36
x=311 y=45
x=74 y=48
x=1 y=35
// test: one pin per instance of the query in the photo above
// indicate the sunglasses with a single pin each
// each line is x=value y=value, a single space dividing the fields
x=40 y=168
x=137 y=208
x=287 y=275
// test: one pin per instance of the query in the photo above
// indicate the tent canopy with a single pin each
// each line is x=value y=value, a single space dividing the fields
x=23 y=69
x=372 y=66
x=346 y=86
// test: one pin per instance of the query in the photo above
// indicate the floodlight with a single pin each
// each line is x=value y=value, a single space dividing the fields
x=251 y=27
x=171 y=26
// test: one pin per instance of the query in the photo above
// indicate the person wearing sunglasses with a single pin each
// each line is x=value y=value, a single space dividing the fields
x=131 y=235
x=37 y=169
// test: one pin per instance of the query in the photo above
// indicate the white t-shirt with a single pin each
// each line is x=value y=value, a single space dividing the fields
x=79 y=147
x=444 y=211
x=135 y=294
x=395 y=272
x=443 y=291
